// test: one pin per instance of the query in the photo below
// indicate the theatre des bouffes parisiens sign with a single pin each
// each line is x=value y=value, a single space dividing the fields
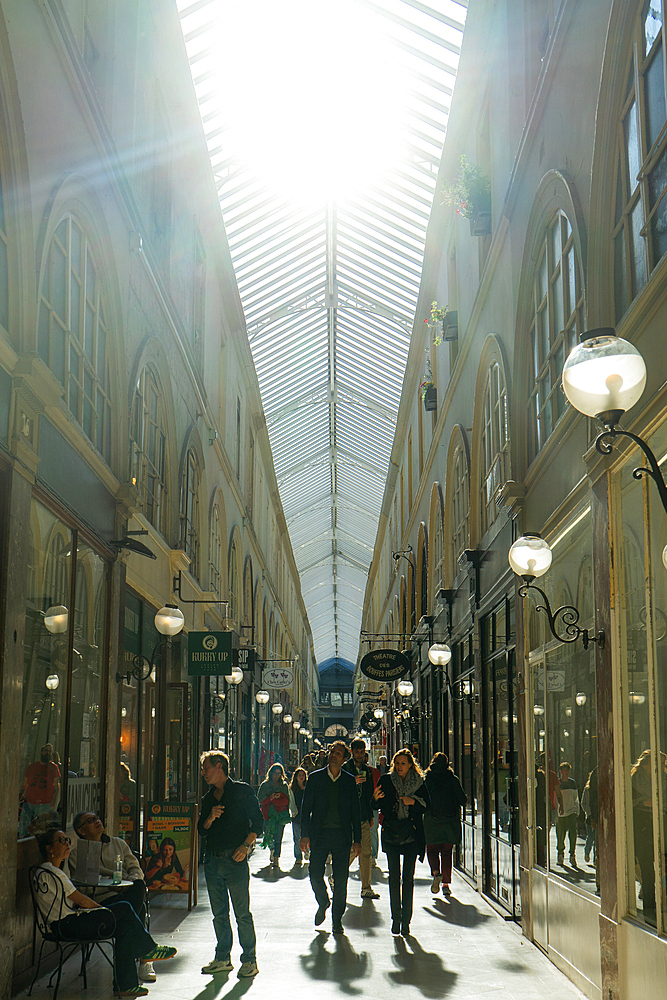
x=384 y=665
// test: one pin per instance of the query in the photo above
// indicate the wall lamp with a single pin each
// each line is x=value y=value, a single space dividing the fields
x=440 y=655
x=603 y=377
x=530 y=557
x=169 y=621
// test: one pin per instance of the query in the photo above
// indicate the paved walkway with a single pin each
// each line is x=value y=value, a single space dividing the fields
x=460 y=948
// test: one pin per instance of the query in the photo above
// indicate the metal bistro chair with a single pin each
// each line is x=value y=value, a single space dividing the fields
x=48 y=901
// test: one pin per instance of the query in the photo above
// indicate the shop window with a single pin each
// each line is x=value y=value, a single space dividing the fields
x=73 y=332
x=556 y=320
x=190 y=518
x=642 y=588
x=61 y=738
x=149 y=448
x=564 y=717
x=215 y=562
x=494 y=444
x=640 y=230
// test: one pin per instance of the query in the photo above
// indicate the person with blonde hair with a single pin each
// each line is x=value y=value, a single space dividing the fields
x=403 y=797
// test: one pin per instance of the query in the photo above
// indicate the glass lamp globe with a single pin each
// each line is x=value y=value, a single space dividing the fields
x=52 y=682
x=580 y=698
x=262 y=697
x=169 y=620
x=530 y=556
x=405 y=688
x=379 y=713
x=296 y=725
x=235 y=677
x=604 y=373
x=439 y=654
x=302 y=731
x=287 y=719
x=56 y=619
x=538 y=709
x=277 y=709
x=664 y=557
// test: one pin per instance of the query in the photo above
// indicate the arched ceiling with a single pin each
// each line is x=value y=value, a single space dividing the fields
x=325 y=121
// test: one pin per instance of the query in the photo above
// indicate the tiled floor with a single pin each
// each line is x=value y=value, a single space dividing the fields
x=460 y=949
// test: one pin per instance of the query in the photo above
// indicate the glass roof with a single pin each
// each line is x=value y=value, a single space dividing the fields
x=325 y=121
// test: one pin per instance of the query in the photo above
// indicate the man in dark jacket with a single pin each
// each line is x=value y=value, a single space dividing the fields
x=330 y=824
x=230 y=821
x=363 y=777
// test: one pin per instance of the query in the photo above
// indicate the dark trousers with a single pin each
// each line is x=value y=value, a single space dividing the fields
x=401 y=885
x=131 y=938
x=134 y=894
x=440 y=860
x=336 y=843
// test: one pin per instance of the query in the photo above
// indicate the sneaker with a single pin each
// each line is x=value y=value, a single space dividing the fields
x=247 y=970
x=435 y=884
x=369 y=894
x=446 y=890
x=160 y=953
x=218 y=965
x=147 y=972
x=135 y=991
x=561 y=859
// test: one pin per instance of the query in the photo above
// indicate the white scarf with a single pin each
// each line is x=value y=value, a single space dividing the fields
x=406 y=787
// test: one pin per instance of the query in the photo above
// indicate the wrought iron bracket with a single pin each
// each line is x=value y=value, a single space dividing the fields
x=143 y=667
x=604 y=445
x=568 y=615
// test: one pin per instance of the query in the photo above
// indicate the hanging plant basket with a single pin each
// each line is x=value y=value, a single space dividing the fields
x=480 y=221
x=431 y=398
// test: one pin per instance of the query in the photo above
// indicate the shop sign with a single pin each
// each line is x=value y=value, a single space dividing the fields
x=555 y=680
x=209 y=653
x=384 y=665
x=277 y=677
x=244 y=658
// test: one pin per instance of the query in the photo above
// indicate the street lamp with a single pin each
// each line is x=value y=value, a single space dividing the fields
x=405 y=688
x=235 y=677
x=379 y=713
x=52 y=682
x=530 y=557
x=277 y=708
x=169 y=621
x=439 y=654
x=603 y=377
x=287 y=719
x=262 y=697
x=56 y=619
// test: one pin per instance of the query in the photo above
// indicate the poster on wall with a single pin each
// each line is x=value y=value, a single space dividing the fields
x=170 y=848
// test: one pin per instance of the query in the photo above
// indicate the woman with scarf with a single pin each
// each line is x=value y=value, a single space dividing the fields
x=403 y=798
x=442 y=821
x=273 y=798
x=297 y=787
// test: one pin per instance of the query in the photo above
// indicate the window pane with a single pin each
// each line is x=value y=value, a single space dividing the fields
x=652 y=23
x=657 y=186
x=637 y=259
x=655 y=98
x=620 y=275
x=632 y=144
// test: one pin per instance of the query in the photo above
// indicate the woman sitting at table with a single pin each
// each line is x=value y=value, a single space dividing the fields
x=131 y=939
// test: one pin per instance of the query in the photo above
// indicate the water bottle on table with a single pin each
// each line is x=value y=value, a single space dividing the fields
x=118 y=871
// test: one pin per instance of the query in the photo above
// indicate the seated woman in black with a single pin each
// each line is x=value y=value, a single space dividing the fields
x=403 y=797
x=132 y=940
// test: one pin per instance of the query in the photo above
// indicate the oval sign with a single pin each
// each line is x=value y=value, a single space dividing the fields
x=384 y=664
x=277 y=677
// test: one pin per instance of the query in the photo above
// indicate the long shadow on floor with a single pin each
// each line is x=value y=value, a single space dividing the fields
x=422 y=969
x=460 y=914
x=215 y=988
x=342 y=965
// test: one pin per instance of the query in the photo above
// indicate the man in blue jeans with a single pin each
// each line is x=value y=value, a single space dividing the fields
x=230 y=821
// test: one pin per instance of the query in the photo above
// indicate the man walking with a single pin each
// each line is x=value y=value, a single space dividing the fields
x=330 y=824
x=230 y=821
x=568 y=818
x=363 y=777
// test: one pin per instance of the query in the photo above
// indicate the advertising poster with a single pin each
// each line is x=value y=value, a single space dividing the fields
x=170 y=859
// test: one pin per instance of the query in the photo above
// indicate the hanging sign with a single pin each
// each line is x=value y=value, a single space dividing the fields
x=244 y=658
x=384 y=664
x=277 y=677
x=209 y=653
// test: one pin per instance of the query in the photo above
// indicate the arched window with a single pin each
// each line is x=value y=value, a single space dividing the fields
x=215 y=558
x=149 y=448
x=555 y=320
x=4 y=266
x=72 y=338
x=494 y=444
x=234 y=596
x=460 y=503
x=640 y=218
x=190 y=523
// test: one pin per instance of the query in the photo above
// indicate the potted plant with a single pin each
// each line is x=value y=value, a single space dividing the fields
x=428 y=389
x=443 y=322
x=471 y=197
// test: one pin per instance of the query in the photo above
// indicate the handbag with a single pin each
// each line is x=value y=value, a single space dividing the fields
x=397 y=831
